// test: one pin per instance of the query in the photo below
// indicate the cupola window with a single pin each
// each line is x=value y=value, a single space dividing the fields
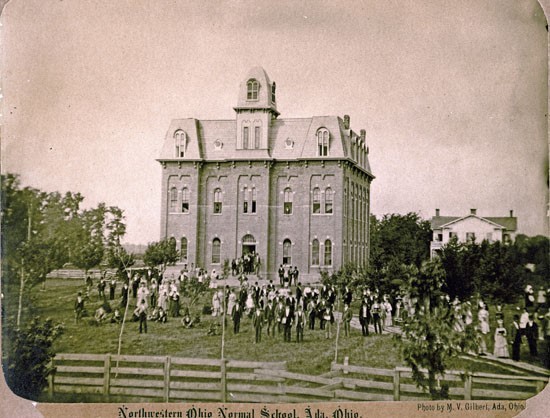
x=252 y=89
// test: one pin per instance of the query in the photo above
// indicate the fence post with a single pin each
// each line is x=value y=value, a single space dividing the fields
x=468 y=386
x=107 y=376
x=223 y=370
x=167 y=364
x=396 y=384
x=51 y=378
x=346 y=364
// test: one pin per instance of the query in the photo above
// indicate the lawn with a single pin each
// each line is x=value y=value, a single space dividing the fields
x=313 y=356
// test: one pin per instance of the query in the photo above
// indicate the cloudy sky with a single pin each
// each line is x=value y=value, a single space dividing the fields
x=452 y=95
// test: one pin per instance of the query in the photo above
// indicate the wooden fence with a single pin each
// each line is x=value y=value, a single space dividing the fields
x=190 y=379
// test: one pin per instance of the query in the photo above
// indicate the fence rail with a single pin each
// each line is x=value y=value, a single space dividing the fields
x=165 y=378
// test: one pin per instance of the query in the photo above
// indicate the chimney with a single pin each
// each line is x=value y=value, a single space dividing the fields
x=473 y=211
x=346 y=121
x=363 y=134
x=437 y=212
x=511 y=213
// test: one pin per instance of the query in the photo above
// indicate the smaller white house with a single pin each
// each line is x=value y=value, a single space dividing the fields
x=471 y=227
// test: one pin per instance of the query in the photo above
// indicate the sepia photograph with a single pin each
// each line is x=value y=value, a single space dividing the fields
x=260 y=209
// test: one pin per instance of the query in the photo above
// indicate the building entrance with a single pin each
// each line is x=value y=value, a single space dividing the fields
x=249 y=245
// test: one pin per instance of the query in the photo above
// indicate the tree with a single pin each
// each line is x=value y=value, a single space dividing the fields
x=429 y=336
x=161 y=253
x=29 y=352
x=397 y=241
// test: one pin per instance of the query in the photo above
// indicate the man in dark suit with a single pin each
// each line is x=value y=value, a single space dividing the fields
x=515 y=335
x=236 y=315
x=364 y=316
x=287 y=317
x=300 y=319
x=532 y=334
x=258 y=322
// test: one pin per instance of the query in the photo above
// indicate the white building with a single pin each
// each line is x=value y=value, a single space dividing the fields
x=471 y=227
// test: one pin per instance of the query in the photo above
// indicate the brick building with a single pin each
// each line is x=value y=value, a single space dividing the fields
x=295 y=191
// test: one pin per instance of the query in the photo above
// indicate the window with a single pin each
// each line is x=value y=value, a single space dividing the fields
x=328 y=200
x=179 y=137
x=316 y=200
x=452 y=235
x=273 y=87
x=287 y=252
x=245 y=137
x=439 y=237
x=287 y=206
x=173 y=199
x=257 y=134
x=253 y=203
x=217 y=201
x=185 y=200
x=252 y=88
x=315 y=253
x=489 y=236
x=216 y=251
x=245 y=200
x=183 y=249
x=470 y=236
x=323 y=142
x=328 y=253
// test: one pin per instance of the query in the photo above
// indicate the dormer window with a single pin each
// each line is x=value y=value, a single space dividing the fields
x=180 y=142
x=323 y=137
x=252 y=89
x=273 y=92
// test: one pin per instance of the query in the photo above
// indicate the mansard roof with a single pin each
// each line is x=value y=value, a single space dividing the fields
x=289 y=139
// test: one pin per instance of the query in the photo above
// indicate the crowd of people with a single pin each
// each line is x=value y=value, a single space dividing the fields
x=287 y=309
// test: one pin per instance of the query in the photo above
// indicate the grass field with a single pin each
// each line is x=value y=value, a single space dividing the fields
x=313 y=356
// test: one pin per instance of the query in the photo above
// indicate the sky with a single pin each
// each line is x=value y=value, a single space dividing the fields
x=453 y=95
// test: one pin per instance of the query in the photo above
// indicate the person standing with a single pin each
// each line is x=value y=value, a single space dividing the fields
x=515 y=337
x=328 y=318
x=501 y=345
x=124 y=295
x=376 y=310
x=365 y=316
x=141 y=313
x=281 y=273
x=346 y=319
x=112 y=288
x=269 y=313
x=300 y=319
x=236 y=315
x=532 y=333
x=287 y=322
x=78 y=307
x=258 y=322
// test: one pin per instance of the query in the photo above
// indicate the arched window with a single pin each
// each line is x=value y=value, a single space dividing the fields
x=315 y=253
x=173 y=199
x=328 y=200
x=287 y=252
x=252 y=88
x=216 y=251
x=180 y=140
x=328 y=253
x=185 y=200
x=217 y=201
x=323 y=142
x=287 y=206
x=316 y=207
x=183 y=249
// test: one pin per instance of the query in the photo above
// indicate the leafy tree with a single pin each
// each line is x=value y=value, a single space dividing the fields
x=161 y=253
x=429 y=337
x=119 y=258
x=29 y=351
x=396 y=242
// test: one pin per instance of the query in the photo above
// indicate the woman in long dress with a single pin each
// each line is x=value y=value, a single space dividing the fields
x=501 y=345
x=483 y=318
